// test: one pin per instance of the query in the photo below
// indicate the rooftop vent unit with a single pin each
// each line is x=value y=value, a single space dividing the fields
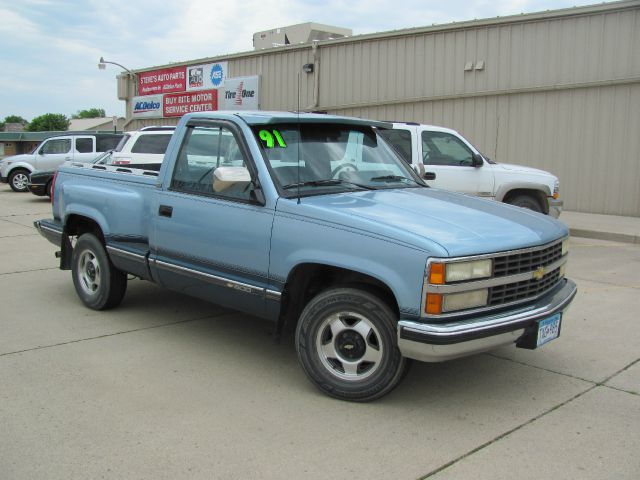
x=296 y=34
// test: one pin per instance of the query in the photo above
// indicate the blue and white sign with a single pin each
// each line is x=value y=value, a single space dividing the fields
x=207 y=76
x=146 y=106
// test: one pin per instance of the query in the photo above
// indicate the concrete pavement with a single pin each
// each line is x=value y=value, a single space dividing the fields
x=166 y=386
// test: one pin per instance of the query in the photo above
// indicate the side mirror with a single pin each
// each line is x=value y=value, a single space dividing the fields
x=477 y=160
x=225 y=177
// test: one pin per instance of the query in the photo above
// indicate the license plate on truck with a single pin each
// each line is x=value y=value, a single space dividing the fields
x=548 y=329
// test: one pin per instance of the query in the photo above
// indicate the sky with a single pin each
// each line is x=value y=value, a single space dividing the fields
x=49 y=49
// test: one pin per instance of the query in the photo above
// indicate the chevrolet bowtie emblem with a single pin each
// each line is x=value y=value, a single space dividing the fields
x=539 y=273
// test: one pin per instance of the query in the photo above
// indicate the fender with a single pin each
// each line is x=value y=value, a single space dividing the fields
x=23 y=165
x=505 y=188
x=87 y=212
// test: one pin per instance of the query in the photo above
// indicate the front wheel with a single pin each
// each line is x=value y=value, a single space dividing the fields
x=18 y=180
x=98 y=283
x=346 y=344
x=526 y=201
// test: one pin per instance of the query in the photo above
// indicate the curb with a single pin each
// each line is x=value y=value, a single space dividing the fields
x=597 y=235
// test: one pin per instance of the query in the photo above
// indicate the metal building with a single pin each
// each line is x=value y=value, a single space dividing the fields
x=557 y=90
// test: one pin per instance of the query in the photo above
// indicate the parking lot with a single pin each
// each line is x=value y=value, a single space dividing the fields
x=166 y=386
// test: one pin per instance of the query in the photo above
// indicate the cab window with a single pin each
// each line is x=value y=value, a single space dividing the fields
x=204 y=151
x=59 y=145
x=441 y=148
x=84 y=145
x=401 y=141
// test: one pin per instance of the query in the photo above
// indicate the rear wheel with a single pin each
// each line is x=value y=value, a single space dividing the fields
x=48 y=188
x=98 y=283
x=526 y=201
x=346 y=344
x=18 y=180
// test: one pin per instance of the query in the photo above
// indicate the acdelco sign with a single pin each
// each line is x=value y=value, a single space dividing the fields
x=147 y=106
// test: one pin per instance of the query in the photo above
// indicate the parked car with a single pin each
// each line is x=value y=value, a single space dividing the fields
x=40 y=181
x=52 y=152
x=140 y=148
x=314 y=221
x=445 y=159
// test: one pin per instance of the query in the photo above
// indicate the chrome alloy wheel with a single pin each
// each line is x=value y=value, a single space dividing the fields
x=20 y=181
x=89 y=272
x=349 y=346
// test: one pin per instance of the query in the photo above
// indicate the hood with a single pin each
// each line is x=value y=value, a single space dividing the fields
x=432 y=220
x=24 y=157
x=522 y=169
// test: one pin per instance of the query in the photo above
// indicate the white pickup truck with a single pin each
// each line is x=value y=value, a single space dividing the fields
x=445 y=159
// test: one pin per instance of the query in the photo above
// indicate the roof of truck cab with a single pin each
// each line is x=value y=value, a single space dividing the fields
x=266 y=118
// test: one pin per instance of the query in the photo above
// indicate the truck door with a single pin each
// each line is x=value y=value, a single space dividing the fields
x=52 y=152
x=451 y=159
x=85 y=149
x=206 y=242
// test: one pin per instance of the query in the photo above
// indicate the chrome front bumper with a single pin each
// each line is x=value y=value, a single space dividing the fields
x=555 y=207
x=437 y=342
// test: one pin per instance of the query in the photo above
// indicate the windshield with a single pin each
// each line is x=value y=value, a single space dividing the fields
x=326 y=158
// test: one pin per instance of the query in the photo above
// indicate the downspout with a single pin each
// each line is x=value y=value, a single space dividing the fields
x=316 y=76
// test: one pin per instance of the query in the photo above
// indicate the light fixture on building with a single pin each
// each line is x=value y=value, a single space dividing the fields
x=102 y=65
x=307 y=68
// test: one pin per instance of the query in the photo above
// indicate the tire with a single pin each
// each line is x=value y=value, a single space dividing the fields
x=98 y=283
x=526 y=201
x=18 y=180
x=346 y=344
x=47 y=188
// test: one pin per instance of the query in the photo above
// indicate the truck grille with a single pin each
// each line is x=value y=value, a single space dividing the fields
x=526 y=262
x=514 y=292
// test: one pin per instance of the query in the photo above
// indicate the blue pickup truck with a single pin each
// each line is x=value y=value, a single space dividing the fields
x=314 y=222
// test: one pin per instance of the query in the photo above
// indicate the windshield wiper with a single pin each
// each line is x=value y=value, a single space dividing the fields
x=324 y=183
x=393 y=178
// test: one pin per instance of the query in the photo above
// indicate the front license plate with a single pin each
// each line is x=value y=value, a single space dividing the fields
x=548 y=329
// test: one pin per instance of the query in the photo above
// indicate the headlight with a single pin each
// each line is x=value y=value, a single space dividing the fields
x=556 y=189
x=565 y=246
x=441 y=273
x=464 y=300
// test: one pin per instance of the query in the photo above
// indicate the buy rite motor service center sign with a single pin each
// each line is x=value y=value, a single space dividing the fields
x=178 y=104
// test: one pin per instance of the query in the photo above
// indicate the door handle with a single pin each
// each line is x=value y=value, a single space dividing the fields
x=429 y=175
x=165 y=211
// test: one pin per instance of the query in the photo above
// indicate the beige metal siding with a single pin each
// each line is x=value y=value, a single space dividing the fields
x=538 y=54
x=588 y=137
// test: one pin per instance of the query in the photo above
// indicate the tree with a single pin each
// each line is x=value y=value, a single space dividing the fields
x=49 y=122
x=15 y=119
x=12 y=119
x=90 y=113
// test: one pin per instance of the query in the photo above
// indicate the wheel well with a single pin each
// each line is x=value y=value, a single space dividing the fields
x=16 y=169
x=307 y=280
x=76 y=225
x=538 y=195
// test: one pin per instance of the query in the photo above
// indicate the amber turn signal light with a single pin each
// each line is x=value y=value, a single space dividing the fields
x=436 y=274
x=433 y=305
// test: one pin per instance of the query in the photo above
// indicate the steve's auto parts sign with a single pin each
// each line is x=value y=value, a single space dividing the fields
x=178 y=104
x=167 y=80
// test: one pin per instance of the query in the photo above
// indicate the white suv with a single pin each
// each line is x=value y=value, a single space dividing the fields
x=142 y=147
